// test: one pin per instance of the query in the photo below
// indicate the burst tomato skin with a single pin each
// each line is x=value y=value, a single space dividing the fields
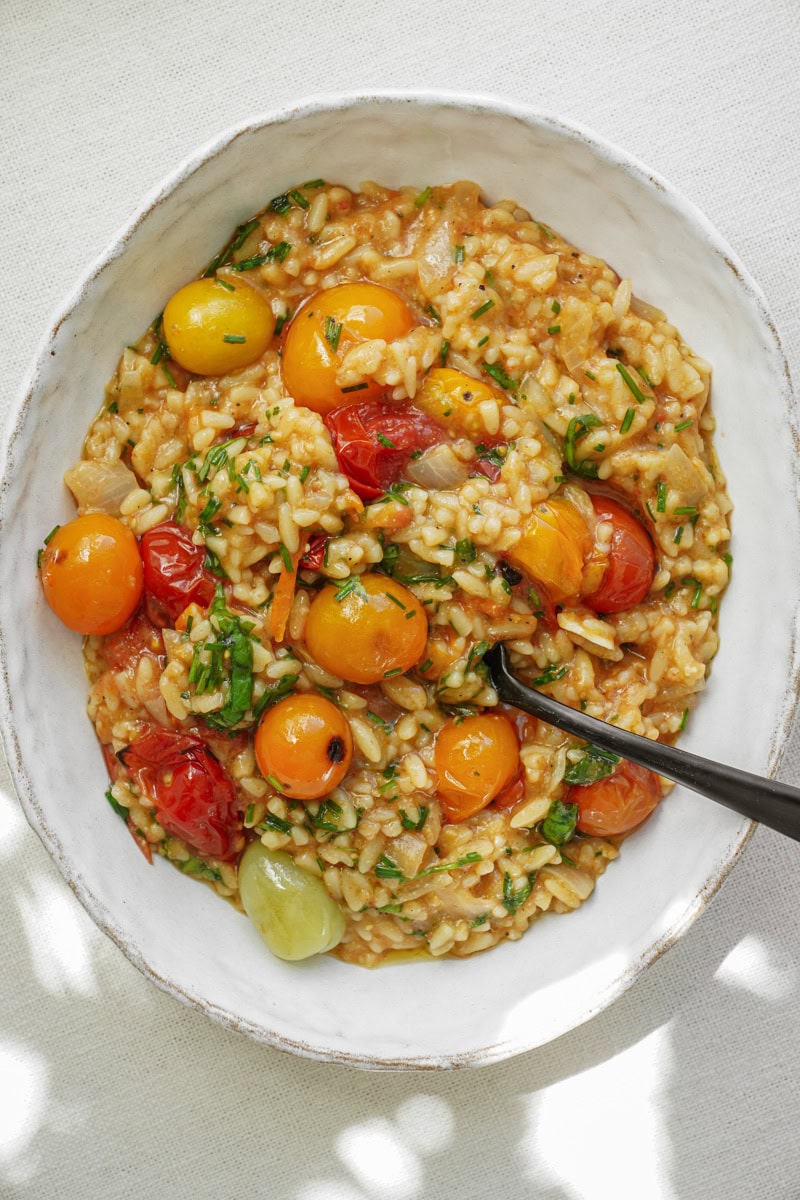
x=174 y=575
x=374 y=442
x=137 y=637
x=617 y=804
x=631 y=561
x=194 y=798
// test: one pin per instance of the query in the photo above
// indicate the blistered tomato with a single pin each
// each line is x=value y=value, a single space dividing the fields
x=174 y=572
x=194 y=798
x=455 y=399
x=213 y=327
x=374 y=442
x=617 y=804
x=554 y=544
x=328 y=325
x=631 y=560
x=475 y=761
x=368 y=629
x=91 y=573
x=304 y=744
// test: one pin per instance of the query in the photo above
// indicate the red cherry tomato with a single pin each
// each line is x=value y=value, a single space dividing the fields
x=618 y=803
x=374 y=442
x=138 y=636
x=174 y=575
x=194 y=798
x=631 y=561
x=314 y=556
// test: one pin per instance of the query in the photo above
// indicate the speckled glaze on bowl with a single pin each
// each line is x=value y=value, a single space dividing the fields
x=520 y=995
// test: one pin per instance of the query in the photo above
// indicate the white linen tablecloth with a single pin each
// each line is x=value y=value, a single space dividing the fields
x=687 y=1087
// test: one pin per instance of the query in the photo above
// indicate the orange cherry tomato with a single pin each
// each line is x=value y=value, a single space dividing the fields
x=368 y=629
x=212 y=328
x=475 y=761
x=618 y=803
x=91 y=573
x=554 y=544
x=304 y=744
x=328 y=325
x=631 y=560
x=454 y=399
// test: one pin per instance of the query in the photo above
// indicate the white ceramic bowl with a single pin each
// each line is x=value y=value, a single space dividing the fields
x=520 y=995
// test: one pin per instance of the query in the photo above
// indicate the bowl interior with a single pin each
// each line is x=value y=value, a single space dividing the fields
x=522 y=994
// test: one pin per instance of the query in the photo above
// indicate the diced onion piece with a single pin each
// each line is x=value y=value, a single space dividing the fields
x=438 y=468
x=100 y=486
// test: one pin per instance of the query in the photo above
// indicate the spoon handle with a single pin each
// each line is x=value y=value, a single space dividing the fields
x=765 y=800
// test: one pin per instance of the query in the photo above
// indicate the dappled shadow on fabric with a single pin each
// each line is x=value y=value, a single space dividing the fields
x=84 y=1038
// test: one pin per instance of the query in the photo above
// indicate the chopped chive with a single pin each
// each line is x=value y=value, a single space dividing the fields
x=554 y=329
x=280 y=204
x=650 y=512
x=678 y=535
x=683 y=425
x=433 y=313
x=686 y=510
x=385 y=441
x=465 y=550
x=287 y=559
x=305 y=473
x=281 y=321
x=684 y=719
x=424 y=196
x=559 y=479
x=590 y=375
x=394 y=671
x=631 y=384
x=426 y=666
x=627 y=420
x=499 y=375
x=550 y=674
x=333 y=331
x=55 y=530
x=483 y=341
x=278 y=786
x=223 y=283
x=444 y=352
x=459 y=255
x=236 y=339
x=314 y=183
x=357 y=387
x=299 y=198
x=661 y=497
x=726 y=558
x=412 y=612
x=276 y=823
x=555 y=307
x=483 y=308
x=387 y=868
x=395 y=600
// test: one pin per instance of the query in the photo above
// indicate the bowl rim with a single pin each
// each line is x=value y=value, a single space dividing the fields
x=332 y=102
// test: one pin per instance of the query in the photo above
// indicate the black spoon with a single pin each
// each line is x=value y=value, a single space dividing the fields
x=765 y=800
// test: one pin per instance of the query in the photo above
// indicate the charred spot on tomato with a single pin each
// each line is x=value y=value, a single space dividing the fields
x=509 y=573
x=336 y=750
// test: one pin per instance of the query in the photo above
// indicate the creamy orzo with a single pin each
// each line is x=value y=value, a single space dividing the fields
x=384 y=430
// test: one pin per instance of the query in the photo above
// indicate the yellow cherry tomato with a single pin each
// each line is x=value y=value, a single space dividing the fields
x=305 y=744
x=328 y=325
x=212 y=328
x=91 y=573
x=454 y=399
x=554 y=545
x=474 y=760
x=369 y=629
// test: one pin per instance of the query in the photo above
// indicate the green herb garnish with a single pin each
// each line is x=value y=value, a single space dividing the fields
x=594 y=764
